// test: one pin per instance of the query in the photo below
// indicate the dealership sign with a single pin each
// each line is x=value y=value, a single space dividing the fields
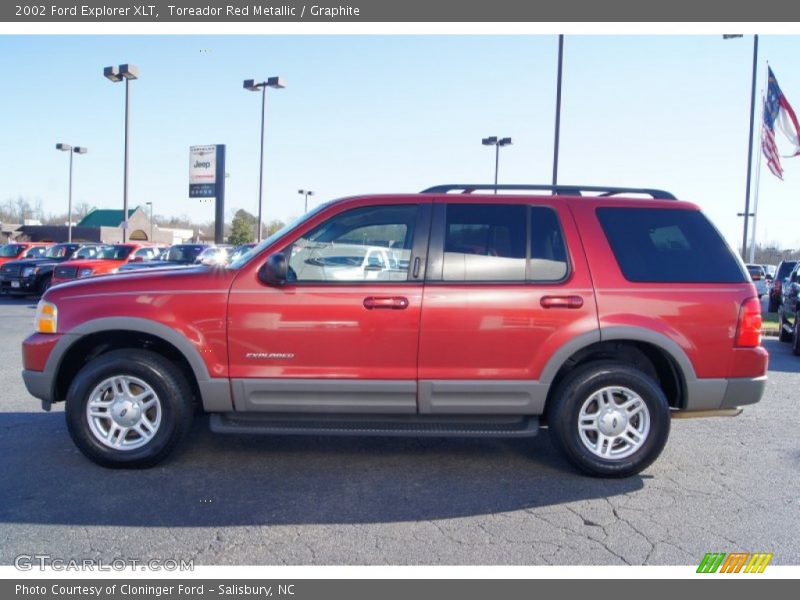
x=203 y=171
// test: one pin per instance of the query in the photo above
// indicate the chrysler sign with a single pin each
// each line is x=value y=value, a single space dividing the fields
x=203 y=171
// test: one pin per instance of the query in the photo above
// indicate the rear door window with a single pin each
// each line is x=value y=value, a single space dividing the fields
x=502 y=243
x=658 y=245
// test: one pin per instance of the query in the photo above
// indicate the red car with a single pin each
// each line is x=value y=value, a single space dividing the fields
x=22 y=250
x=108 y=260
x=438 y=313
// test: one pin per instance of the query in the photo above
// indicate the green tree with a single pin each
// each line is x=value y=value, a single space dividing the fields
x=243 y=228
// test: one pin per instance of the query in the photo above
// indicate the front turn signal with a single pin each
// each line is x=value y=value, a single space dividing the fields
x=46 y=317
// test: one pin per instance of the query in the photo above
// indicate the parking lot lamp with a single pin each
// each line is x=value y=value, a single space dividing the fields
x=497 y=143
x=72 y=150
x=128 y=73
x=253 y=86
x=306 y=193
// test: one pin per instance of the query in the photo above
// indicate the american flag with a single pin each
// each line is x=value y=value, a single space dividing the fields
x=778 y=111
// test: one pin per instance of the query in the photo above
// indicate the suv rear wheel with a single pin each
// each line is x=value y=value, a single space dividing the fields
x=795 y=336
x=610 y=419
x=128 y=408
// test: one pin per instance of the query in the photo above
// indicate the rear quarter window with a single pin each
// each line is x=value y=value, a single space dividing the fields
x=657 y=245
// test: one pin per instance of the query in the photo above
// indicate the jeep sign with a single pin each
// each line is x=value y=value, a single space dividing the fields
x=202 y=171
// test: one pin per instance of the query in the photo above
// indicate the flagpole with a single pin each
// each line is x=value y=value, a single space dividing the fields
x=746 y=213
x=758 y=182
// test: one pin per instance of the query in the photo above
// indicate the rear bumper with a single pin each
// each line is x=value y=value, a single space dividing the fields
x=743 y=391
x=713 y=394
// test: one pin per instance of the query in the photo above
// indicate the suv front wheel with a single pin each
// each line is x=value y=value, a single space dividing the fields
x=609 y=418
x=128 y=408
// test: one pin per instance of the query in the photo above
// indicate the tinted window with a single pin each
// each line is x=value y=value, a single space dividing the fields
x=785 y=268
x=114 y=252
x=60 y=250
x=668 y=245
x=10 y=250
x=548 y=252
x=485 y=242
x=372 y=243
x=87 y=252
x=184 y=253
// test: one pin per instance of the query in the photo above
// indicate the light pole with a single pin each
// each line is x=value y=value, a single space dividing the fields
x=306 y=193
x=115 y=75
x=72 y=150
x=746 y=214
x=253 y=86
x=150 y=204
x=497 y=143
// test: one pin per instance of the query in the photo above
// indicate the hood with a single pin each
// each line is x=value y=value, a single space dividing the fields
x=80 y=263
x=35 y=262
x=150 y=281
x=153 y=264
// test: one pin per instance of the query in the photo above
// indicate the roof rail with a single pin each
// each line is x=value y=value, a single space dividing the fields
x=566 y=190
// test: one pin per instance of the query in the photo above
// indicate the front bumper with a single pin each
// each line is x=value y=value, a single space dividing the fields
x=39 y=385
x=18 y=285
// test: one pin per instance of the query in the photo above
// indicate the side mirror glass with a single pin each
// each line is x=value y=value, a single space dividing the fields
x=275 y=270
x=793 y=278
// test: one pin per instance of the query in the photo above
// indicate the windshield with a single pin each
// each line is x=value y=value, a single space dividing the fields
x=184 y=253
x=59 y=251
x=245 y=258
x=114 y=252
x=10 y=250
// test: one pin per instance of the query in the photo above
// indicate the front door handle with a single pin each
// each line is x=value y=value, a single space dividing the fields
x=561 y=301
x=390 y=302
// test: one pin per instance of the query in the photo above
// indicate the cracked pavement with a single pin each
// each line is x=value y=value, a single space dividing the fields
x=721 y=485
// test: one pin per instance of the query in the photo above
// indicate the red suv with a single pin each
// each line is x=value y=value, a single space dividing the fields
x=108 y=260
x=600 y=316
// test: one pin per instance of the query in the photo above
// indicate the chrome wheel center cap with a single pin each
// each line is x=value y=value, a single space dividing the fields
x=126 y=413
x=612 y=422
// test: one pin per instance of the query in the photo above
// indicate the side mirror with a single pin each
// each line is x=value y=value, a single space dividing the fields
x=793 y=277
x=137 y=259
x=275 y=270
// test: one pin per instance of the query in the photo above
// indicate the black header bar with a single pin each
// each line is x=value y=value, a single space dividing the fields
x=459 y=11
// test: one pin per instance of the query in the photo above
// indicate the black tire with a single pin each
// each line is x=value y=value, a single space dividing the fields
x=45 y=284
x=795 y=337
x=165 y=380
x=580 y=385
x=773 y=304
x=783 y=335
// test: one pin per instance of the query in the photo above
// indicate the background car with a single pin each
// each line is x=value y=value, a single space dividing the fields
x=785 y=267
x=240 y=251
x=108 y=260
x=178 y=255
x=33 y=277
x=759 y=278
x=22 y=250
x=214 y=255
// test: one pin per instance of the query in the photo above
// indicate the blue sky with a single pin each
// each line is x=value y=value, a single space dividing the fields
x=368 y=114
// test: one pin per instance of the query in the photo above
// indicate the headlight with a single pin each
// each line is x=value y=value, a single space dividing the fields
x=46 y=317
x=85 y=272
x=28 y=271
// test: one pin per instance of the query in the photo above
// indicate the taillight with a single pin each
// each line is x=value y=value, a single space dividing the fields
x=748 y=331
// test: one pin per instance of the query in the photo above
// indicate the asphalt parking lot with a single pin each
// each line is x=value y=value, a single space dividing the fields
x=723 y=484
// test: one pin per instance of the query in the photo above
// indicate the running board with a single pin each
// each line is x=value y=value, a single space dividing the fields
x=375 y=425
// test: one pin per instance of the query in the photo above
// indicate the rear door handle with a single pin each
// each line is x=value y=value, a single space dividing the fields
x=561 y=301
x=390 y=302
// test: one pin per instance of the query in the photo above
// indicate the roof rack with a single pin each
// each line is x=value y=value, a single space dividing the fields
x=566 y=190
